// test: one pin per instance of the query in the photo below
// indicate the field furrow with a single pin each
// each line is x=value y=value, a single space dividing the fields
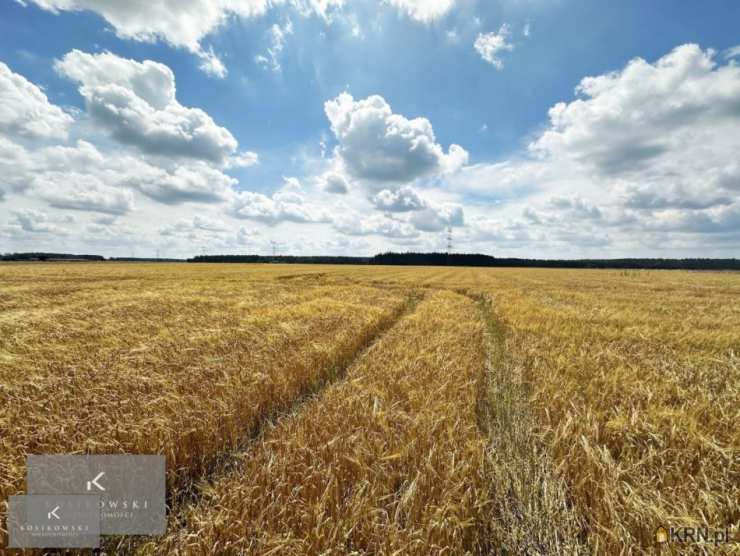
x=390 y=459
x=532 y=514
x=174 y=373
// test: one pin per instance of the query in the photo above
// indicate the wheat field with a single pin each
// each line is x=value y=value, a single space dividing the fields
x=386 y=410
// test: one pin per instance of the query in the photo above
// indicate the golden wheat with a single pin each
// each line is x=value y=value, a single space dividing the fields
x=390 y=460
x=160 y=364
x=514 y=410
x=635 y=382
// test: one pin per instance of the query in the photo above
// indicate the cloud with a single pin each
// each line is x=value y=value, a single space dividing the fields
x=205 y=233
x=195 y=183
x=111 y=175
x=716 y=220
x=322 y=8
x=245 y=236
x=437 y=217
x=25 y=111
x=70 y=190
x=185 y=24
x=628 y=119
x=83 y=178
x=287 y=204
x=424 y=11
x=650 y=197
x=357 y=225
x=576 y=207
x=34 y=221
x=181 y=24
x=211 y=64
x=334 y=182
x=377 y=145
x=500 y=234
x=406 y=213
x=650 y=148
x=14 y=165
x=71 y=177
x=291 y=183
x=242 y=160
x=402 y=200
x=278 y=36
x=80 y=177
x=135 y=102
x=507 y=180
x=198 y=223
x=731 y=52
x=83 y=156
x=491 y=45
x=563 y=212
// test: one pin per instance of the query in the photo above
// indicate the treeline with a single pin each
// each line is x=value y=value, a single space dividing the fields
x=144 y=260
x=417 y=259
x=458 y=259
x=455 y=259
x=49 y=257
x=283 y=259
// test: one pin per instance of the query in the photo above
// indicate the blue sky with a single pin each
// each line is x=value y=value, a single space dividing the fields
x=526 y=185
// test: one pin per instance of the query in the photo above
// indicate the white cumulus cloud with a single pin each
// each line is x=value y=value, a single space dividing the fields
x=424 y=11
x=401 y=200
x=334 y=182
x=180 y=23
x=135 y=102
x=376 y=224
x=490 y=46
x=377 y=145
x=25 y=111
x=644 y=157
x=287 y=204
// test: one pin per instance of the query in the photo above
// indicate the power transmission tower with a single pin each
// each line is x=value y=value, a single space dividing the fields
x=276 y=245
x=449 y=245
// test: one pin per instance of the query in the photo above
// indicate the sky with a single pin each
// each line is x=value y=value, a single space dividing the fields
x=529 y=128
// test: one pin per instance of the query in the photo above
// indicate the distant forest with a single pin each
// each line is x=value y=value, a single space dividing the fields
x=49 y=257
x=454 y=259
x=283 y=259
x=458 y=259
x=418 y=259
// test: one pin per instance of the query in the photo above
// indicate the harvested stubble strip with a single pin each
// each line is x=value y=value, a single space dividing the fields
x=389 y=460
x=195 y=391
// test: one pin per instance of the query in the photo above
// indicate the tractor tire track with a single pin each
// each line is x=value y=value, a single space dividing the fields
x=192 y=493
x=532 y=514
